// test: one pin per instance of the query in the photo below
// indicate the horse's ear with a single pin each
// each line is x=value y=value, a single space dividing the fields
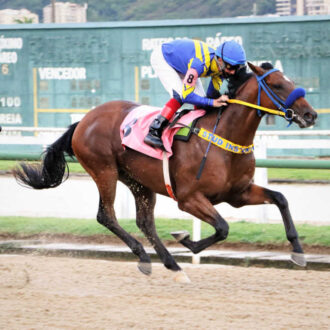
x=256 y=69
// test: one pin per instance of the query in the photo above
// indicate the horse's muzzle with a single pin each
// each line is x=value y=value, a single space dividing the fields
x=310 y=117
x=305 y=120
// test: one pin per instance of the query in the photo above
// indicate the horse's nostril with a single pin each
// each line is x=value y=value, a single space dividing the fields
x=308 y=116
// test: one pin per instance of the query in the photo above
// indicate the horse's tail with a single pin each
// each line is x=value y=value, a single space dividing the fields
x=50 y=172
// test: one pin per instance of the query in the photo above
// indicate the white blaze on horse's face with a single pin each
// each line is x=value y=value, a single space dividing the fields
x=287 y=79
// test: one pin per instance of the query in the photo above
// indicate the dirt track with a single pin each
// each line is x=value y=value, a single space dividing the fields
x=64 y=293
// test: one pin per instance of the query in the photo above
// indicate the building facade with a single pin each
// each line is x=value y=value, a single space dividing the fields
x=65 y=12
x=302 y=7
x=283 y=7
x=317 y=7
x=11 y=16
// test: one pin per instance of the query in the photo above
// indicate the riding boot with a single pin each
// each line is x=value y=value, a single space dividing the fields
x=154 y=137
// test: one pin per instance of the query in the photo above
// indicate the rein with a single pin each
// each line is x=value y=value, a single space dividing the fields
x=258 y=107
x=201 y=167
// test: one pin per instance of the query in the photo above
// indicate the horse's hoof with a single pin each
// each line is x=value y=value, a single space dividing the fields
x=180 y=235
x=144 y=267
x=181 y=277
x=298 y=259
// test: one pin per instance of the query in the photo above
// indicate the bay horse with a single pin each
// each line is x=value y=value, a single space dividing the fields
x=227 y=177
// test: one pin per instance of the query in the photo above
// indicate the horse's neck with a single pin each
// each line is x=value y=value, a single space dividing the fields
x=239 y=123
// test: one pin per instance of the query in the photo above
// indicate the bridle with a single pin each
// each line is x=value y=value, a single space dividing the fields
x=283 y=106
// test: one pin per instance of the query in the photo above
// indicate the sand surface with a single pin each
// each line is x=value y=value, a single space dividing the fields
x=65 y=293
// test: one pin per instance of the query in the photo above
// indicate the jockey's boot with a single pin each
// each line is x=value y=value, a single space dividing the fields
x=154 y=137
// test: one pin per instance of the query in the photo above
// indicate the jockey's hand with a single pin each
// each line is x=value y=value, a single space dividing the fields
x=221 y=101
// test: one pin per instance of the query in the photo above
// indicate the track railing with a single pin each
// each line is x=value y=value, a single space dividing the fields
x=265 y=140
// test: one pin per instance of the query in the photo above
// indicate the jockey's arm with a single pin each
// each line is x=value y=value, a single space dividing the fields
x=213 y=90
x=188 y=94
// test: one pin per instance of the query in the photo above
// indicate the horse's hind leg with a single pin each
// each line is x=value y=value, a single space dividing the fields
x=255 y=195
x=200 y=207
x=145 y=201
x=106 y=216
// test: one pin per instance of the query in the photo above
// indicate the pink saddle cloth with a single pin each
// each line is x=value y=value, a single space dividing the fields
x=136 y=124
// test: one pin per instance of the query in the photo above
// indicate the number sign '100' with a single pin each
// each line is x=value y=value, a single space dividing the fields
x=14 y=101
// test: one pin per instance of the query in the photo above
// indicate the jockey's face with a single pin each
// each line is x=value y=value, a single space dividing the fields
x=226 y=69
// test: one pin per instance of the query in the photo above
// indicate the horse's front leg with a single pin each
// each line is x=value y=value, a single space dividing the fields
x=255 y=195
x=199 y=206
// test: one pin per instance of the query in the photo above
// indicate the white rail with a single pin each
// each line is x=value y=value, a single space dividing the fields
x=47 y=135
x=33 y=129
x=306 y=132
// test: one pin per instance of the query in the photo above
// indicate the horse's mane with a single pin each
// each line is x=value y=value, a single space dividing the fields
x=238 y=80
x=241 y=77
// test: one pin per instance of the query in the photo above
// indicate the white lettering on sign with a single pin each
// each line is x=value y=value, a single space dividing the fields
x=62 y=73
x=219 y=39
x=8 y=57
x=152 y=43
x=147 y=72
x=10 y=101
x=11 y=43
x=10 y=118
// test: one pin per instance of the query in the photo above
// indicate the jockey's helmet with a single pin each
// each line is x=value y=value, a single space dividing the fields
x=231 y=52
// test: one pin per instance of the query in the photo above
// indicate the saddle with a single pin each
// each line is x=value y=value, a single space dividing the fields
x=184 y=133
x=136 y=126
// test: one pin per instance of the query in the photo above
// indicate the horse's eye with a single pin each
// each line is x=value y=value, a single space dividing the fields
x=277 y=86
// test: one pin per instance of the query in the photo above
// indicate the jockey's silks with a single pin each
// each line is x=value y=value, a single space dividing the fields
x=170 y=108
x=183 y=55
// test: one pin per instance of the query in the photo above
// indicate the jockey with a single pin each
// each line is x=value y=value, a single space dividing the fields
x=179 y=65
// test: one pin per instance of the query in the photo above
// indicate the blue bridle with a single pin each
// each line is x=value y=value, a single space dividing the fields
x=283 y=106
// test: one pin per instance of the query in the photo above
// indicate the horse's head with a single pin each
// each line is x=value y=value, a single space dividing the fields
x=276 y=90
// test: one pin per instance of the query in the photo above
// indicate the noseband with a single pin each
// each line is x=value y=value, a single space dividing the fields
x=283 y=106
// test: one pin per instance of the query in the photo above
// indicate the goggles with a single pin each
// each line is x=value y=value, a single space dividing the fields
x=231 y=67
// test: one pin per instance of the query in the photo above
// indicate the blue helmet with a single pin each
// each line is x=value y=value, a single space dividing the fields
x=231 y=52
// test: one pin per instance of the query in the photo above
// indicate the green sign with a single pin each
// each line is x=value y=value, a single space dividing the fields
x=51 y=75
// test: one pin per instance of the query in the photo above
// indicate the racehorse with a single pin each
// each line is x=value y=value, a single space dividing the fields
x=227 y=177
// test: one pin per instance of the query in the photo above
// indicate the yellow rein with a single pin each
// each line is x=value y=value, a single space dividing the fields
x=251 y=105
